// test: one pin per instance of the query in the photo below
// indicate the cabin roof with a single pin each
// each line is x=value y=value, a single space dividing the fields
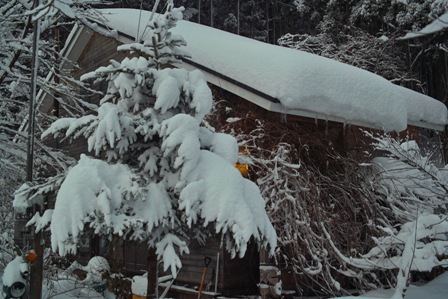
x=439 y=24
x=286 y=80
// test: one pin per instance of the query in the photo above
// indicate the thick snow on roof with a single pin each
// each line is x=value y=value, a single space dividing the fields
x=439 y=24
x=298 y=80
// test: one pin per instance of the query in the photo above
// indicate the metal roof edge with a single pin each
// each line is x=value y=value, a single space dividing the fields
x=426 y=125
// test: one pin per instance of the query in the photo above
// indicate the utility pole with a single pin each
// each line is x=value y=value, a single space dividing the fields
x=36 y=272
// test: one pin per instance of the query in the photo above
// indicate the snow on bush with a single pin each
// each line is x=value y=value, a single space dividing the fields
x=412 y=192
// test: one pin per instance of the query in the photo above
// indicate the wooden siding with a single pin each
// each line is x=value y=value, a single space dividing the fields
x=237 y=276
x=193 y=264
x=98 y=52
x=135 y=258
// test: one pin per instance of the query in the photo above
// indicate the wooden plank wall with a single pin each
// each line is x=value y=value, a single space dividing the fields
x=193 y=265
x=98 y=52
x=241 y=276
x=237 y=276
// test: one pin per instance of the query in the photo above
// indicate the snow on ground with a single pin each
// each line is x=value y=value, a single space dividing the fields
x=299 y=80
x=68 y=289
x=64 y=285
x=435 y=289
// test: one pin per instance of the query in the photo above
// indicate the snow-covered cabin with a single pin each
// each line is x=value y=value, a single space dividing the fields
x=268 y=80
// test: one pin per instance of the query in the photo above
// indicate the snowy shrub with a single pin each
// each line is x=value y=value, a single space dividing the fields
x=342 y=221
x=305 y=182
x=412 y=202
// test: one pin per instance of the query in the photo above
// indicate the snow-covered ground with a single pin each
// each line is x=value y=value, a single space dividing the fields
x=67 y=289
x=435 y=289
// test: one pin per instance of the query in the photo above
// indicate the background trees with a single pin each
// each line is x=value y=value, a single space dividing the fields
x=15 y=60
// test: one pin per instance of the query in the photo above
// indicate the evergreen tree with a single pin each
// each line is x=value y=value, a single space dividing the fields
x=166 y=179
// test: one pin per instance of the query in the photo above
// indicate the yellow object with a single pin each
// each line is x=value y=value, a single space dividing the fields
x=138 y=297
x=243 y=168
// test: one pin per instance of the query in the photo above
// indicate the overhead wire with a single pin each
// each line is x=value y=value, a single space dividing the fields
x=145 y=32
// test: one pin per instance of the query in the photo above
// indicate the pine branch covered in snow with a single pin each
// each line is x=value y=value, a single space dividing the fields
x=166 y=177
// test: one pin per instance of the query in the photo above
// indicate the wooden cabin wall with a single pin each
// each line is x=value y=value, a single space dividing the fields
x=98 y=52
x=193 y=264
x=236 y=276
x=241 y=276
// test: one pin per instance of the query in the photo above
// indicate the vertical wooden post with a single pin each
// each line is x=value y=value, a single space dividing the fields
x=37 y=266
x=151 y=291
x=36 y=272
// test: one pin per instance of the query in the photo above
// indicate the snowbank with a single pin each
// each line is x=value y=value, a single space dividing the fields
x=435 y=289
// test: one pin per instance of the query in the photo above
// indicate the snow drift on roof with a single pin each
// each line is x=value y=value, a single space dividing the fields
x=439 y=24
x=299 y=80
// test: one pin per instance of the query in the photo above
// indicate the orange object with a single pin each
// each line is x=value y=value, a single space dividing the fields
x=243 y=168
x=31 y=256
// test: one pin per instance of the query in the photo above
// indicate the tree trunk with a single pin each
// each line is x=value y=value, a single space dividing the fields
x=37 y=268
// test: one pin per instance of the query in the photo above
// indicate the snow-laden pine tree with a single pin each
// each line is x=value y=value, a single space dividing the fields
x=166 y=179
